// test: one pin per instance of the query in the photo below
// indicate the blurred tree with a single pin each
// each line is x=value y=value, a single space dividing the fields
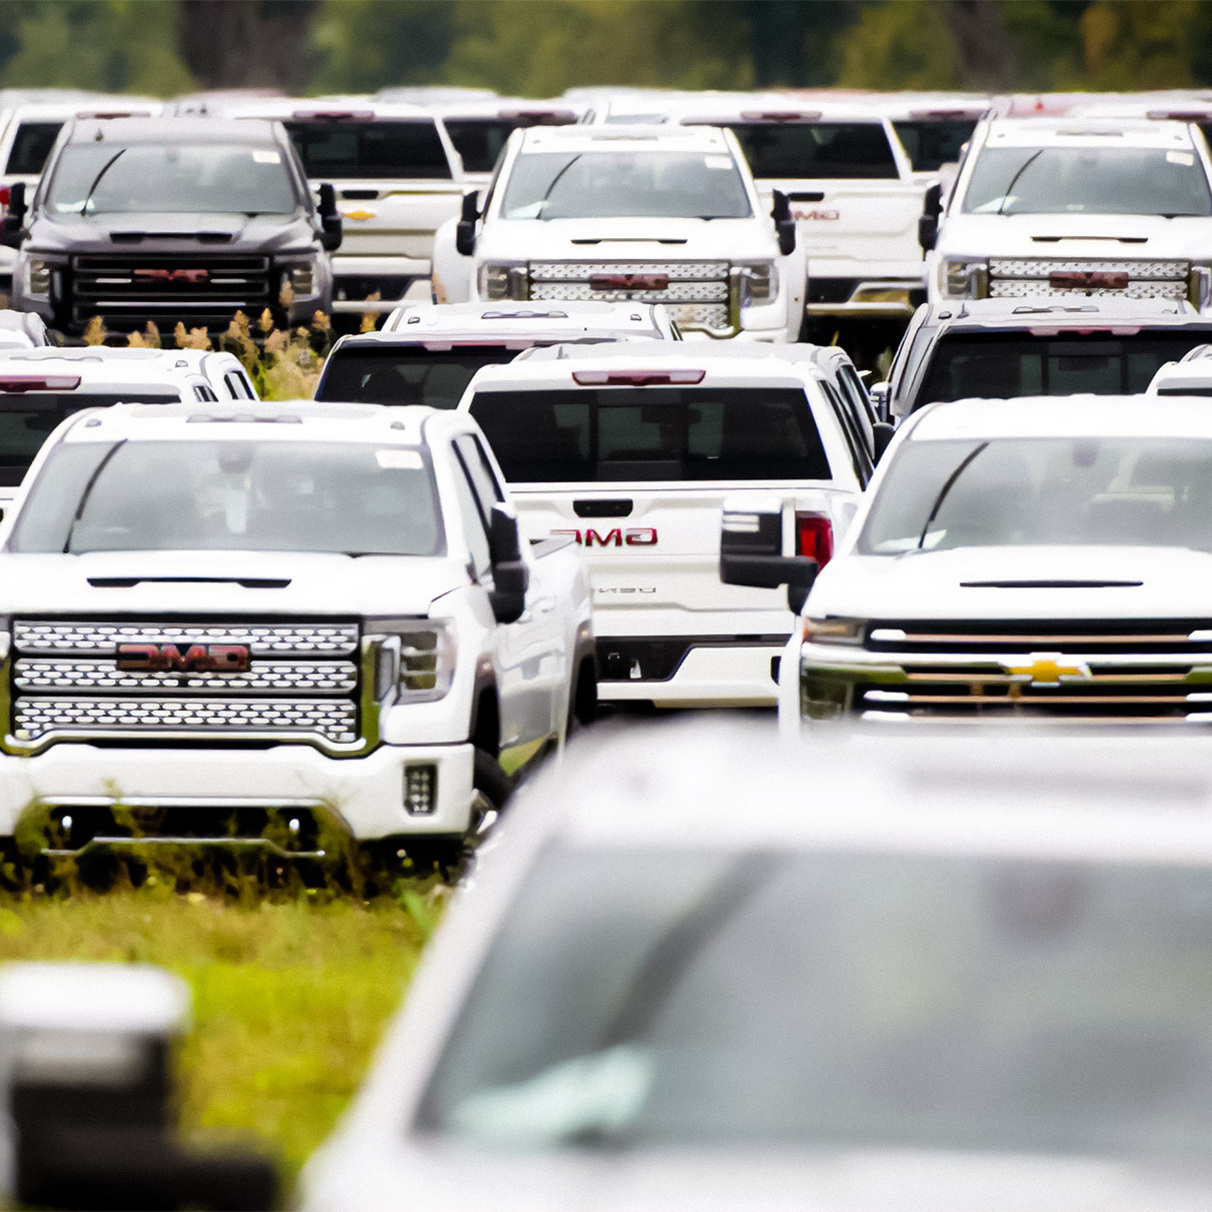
x=365 y=45
x=904 y=44
x=1140 y=44
x=248 y=43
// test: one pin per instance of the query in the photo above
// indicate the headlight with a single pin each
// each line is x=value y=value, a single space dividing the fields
x=417 y=658
x=38 y=278
x=302 y=278
x=761 y=283
x=503 y=281
x=964 y=279
x=1199 y=286
x=835 y=631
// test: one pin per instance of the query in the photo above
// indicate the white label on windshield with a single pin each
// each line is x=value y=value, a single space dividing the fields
x=408 y=460
x=718 y=161
x=1185 y=158
x=267 y=157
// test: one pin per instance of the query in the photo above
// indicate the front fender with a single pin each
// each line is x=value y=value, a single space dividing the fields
x=452 y=273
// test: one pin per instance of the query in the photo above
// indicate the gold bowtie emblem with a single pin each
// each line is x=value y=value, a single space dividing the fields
x=1046 y=669
x=359 y=214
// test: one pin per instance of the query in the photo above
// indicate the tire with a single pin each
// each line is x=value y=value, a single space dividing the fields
x=490 y=781
x=583 y=696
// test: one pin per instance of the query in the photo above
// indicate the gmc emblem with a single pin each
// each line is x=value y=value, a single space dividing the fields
x=197 y=658
x=640 y=536
x=1093 y=280
x=193 y=276
x=629 y=282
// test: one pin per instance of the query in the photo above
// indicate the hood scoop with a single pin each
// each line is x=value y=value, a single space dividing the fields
x=1100 y=584
x=243 y=582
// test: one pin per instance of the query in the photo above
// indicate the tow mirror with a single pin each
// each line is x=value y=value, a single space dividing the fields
x=751 y=551
x=331 y=225
x=510 y=576
x=784 y=222
x=927 y=225
x=883 y=434
x=465 y=232
x=12 y=226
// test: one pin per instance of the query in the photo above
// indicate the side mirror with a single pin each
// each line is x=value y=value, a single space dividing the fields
x=927 y=225
x=332 y=227
x=883 y=434
x=510 y=576
x=878 y=394
x=12 y=227
x=751 y=552
x=465 y=232
x=784 y=223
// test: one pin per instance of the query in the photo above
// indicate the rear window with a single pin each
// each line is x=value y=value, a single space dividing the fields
x=929 y=145
x=407 y=374
x=370 y=149
x=817 y=149
x=31 y=146
x=479 y=140
x=662 y=433
x=1006 y=365
x=26 y=419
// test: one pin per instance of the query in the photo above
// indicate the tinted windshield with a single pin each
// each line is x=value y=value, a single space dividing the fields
x=479 y=141
x=1003 y=365
x=337 y=150
x=652 y=433
x=407 y=374
x=1087 y=180
x=98 y=178
x=31 y=146
x=597 y=184
x=649 y=1000
x=26 y=418
x=816 y=149
x=931 y=144
x=1043 y=491
x=232 y=496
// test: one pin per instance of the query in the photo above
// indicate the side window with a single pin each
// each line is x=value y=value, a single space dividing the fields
x=475 y=526
x=479 y=469
x=852 y=385
x=202 y=392
x=237 y=386
x=860 y=455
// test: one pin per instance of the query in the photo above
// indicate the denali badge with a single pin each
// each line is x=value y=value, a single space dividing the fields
x=637 y=536
x=197 y=658
x=172 y=275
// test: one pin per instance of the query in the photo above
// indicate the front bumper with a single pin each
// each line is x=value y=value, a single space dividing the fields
x=354 y=278
x=364 y=795
x=883 y=298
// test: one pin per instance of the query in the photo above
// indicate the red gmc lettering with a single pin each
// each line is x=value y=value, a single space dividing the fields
x=639 y=536
x=198 y=658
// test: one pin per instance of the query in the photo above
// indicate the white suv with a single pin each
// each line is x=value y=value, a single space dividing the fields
x=630 y=214
x=1064 y=209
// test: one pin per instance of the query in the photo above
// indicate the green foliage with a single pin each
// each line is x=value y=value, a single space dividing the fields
x=900 y=45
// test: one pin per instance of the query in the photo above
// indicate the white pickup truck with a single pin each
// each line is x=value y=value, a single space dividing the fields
x=629 y=214
x=631 y=450
x=1064 y=209
x=255 y=626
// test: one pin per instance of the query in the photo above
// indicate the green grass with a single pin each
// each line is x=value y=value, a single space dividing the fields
x=290 y=995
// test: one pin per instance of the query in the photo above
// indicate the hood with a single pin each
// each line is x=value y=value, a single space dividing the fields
x=160 y=233
x=209 y=585
x=1174 y=583
x=628 y=240
x=1064 y=237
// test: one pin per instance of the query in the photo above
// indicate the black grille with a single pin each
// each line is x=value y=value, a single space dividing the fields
x=1077 y=637
x=830 y=290
x=203 y=288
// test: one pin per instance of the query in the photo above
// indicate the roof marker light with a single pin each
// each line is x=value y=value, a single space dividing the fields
x=637 y=378
x=13 y=384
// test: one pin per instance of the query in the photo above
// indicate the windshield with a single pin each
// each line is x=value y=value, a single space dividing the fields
x=99 y=178
x=356 y=499
x=652 y=433
x=1004 y=365
x=825 y=150
x=1015 y=492
x=479 y=141
x=625 y=184
x=647 y=1000
x=1088 y=181
x=933 y=143
x=406 y=374
x=31 y=145
x=340 y=150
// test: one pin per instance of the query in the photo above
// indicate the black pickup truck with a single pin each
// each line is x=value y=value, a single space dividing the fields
x=169 y=219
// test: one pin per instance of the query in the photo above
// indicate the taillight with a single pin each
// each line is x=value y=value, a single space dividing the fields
x=636 y=378
x=5 y=194
x=814 y=537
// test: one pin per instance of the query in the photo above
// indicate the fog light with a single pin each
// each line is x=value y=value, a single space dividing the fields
x=420 y=790
x=303 y=279
x=39 y=278
x=823 y=698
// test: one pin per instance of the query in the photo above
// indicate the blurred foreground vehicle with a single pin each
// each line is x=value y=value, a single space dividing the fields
x=629 y=214
x=928 y=973
x=171 y=219
x=279 y=628
x=1004 y=348
x=428 y=353
x=1046 y=558
x=87 y=1093
x=1190 y=375
x=1057 y=210
x=631 y=449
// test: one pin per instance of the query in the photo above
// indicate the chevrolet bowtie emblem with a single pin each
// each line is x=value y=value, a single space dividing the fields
x=1046 y=669
x=359 y=214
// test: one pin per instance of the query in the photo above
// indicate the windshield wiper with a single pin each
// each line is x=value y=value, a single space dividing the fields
x=1030 y=160
x=946 y=488
x=92 y=189
x=88 y=489
x=556 y=179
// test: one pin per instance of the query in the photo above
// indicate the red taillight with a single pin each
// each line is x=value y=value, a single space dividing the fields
x=814 y=537
x=333 y=115
x=5 y=194
x=19 y=383
x=637 y=378
x=780 y=115
x=1179 y=115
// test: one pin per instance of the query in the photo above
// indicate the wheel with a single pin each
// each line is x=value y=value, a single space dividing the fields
x=583 y=697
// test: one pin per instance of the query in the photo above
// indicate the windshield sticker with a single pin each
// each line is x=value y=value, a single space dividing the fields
x=407 y=460
x=1184 y=158
x=718 y=161
x=266 y=157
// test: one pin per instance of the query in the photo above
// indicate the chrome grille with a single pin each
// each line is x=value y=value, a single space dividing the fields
x=1030 y=267
x=1032 y=277
x=337 y=639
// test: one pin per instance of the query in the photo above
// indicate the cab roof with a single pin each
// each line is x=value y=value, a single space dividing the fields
x=486 y=321
x=1076 y=131
x=1001 y=315
x=92 y=368
x=631 y=138
x=174 y=131
x=335 y=109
